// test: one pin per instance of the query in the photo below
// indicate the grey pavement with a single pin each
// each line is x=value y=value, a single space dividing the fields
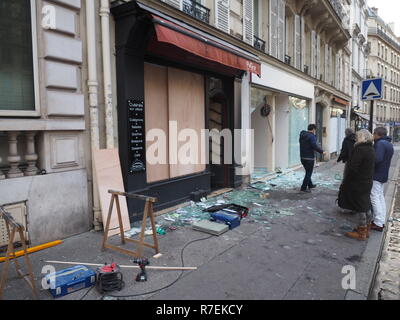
x=283 y=257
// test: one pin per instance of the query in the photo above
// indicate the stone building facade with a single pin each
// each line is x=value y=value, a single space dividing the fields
x=384 y=61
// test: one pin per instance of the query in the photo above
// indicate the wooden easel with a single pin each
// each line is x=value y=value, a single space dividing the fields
x=148 y=212
x=12 y=228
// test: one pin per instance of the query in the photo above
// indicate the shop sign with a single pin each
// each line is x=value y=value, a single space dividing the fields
x=137 y=134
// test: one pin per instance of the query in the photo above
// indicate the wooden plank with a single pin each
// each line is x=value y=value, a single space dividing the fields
x=145 y=244
x=156 y=113
x=122 y=250
x=133 y=195
x=109 y=176
x=123 y=266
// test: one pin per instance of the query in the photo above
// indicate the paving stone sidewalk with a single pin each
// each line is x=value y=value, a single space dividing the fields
x=292 y=246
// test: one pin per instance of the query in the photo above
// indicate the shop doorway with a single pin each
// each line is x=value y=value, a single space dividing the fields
x=298 y=121
x=320 y=127
x=218 y=119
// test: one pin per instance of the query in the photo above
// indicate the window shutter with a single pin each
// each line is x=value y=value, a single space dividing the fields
x=248 y=18
x=174 y=3
x=281 y=30
x=303 y=43
x=297 y=39
x=313 y=53
x=326 y=67
x=273 y=28
x=337 y=68
x=222 y=15
x=318 y=58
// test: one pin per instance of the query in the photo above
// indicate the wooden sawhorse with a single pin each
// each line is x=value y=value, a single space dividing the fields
x=12 y=228
x=148 y=212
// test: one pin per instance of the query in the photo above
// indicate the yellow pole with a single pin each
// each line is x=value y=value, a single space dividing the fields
x=33 y=249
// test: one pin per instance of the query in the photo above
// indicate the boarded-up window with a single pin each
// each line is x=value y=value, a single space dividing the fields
x=174 y=98
x=186 y=107
x=156 y=115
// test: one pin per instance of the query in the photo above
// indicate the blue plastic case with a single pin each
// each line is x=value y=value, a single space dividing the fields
x=69 y=280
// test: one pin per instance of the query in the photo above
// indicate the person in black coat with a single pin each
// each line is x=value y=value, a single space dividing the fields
x=308 y=147
x=347 y=146
x=354 y=193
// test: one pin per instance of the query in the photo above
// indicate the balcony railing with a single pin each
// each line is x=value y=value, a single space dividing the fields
x=384 y=36
x=196 y=10
x=12 y=163
x=259 y=44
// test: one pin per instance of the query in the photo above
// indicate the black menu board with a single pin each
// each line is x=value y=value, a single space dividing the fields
x=137 y=136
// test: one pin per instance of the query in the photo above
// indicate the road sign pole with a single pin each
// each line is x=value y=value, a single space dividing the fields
x=371 y=119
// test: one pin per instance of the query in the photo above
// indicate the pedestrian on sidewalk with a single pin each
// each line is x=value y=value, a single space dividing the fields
x=308 y=147
x=347 y=145
x=354 y=193
x=383 y=156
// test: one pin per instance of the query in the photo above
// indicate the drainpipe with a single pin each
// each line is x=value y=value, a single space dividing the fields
x=93 y=102
x=105 y=31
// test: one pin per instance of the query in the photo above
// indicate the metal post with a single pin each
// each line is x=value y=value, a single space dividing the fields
x=371 y=119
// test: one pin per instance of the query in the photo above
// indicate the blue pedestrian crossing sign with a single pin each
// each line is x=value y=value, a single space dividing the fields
x=371 y=89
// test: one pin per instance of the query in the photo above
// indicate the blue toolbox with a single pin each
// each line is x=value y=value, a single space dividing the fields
x=230 y=219
x=69 y=280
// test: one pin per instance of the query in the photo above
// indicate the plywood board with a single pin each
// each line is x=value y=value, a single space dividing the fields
x=109 y=176
x=156 y=113
x=187 y=107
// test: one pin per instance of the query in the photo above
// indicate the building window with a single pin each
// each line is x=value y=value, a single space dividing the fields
x=18 y=58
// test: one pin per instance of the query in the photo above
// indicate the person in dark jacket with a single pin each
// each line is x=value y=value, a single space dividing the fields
x=383 y=157
x=354 y=193
x=347 y=146
x=308 y=147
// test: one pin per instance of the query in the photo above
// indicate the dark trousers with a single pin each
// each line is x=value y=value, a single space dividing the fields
x=309 y=167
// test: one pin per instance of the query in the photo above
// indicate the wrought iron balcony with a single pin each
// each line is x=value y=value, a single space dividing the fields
x=337 y=6
x=259 y=44
x=196 y=10
x=384 y=36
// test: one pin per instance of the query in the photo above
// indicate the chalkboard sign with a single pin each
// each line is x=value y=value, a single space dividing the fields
x=137 y=136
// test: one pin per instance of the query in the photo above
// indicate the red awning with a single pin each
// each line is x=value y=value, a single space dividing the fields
x=340 y=101
x=196 y=44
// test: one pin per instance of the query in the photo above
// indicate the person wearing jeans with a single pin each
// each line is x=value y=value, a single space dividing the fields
x=308 y=147
x=383 y=156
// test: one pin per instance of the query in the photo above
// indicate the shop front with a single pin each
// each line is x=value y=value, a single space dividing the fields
x=289 y=100
x=331 y=121
x=337 y=125
x=396 y=131
x=175 y=83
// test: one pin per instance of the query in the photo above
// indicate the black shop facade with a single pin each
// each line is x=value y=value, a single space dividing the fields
x=175 y=82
